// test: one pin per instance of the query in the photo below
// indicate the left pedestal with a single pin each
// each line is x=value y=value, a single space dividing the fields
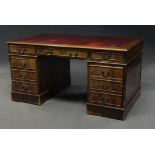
x=36 y=79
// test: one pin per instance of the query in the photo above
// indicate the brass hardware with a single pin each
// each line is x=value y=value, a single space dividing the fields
x=21 y=64
x=105 y=73
x=47 y=52
x=21 y=51
x=51 y=52
x=106 y=87
x=24 y=87
x=63 y=51
x=23 y=75
x=106 y=56
x=105 y=100
x=76 y=54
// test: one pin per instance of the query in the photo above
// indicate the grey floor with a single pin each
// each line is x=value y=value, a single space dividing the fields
x=67 y=109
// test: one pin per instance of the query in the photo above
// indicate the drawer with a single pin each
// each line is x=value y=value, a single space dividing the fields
x=106 y=72
x=103 y=85
x=25 y=87
x=104 y=99
x=21 y=50
x=24 y=75
x=105 y=56
x=72 y=53
x=23 y=63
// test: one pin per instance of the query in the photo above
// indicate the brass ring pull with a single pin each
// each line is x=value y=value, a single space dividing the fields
x=105 y=100
x=106 y=56
x=63 y=52
x=51 y=52
x=76 y=54
x=47 y=52
x=106 y=74
x=24 y=87
x=23 y=75
x=106 y=87
x=21 y=64
x=21 y=51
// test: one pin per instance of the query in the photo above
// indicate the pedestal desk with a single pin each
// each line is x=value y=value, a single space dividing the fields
x=40 y=68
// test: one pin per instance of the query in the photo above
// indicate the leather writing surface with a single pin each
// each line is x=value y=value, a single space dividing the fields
x=81 y=41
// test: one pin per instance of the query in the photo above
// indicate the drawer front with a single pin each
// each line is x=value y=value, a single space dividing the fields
x=106 y=72
x=23 y=63
x=103 y=85
x=104 y=99
x=106 y=56
x=72 y=53
x=21 y=49
x=25 y=87
x=24 y=75
x=78 y=54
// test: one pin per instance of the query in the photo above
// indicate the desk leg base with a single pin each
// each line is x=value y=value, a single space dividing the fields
x=112 y=112
x=29 y=98
x=40 y=98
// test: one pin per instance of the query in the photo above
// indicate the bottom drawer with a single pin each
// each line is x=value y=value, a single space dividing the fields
x=104 y=99
x=25 y=87
x=104 y=85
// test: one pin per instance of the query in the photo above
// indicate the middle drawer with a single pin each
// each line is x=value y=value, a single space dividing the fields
x=63 y=52
x=24 y=75
x=104 y=85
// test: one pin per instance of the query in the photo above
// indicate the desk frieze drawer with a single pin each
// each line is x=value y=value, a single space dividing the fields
x=23 y=63
x=105 y=56
x=107 y=72
x=25 y=87
x=21 y=50
x=72 y=53
x=104 y=99
x=24 y=75
x=103 y=85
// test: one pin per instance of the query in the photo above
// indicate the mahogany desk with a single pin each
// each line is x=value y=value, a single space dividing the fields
x=40 y=68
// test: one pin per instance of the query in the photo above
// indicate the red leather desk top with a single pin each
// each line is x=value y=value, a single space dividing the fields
x=75 y=41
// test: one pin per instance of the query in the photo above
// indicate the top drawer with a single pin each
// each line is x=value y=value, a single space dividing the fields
x=63 y=52
x=106 y=56
x=21 y=50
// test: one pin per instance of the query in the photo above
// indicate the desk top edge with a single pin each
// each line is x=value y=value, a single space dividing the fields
x=122 y=44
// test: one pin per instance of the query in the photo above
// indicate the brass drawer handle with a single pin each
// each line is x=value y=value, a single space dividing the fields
x=105 y=100
x=21 y=64
x=106 y=87
x=63 y=52
x=76 y=54
x=48 y=52
x=25 y=87
x=106 y=73
x=106 y=56
x=23 y=75
x=21 y=51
